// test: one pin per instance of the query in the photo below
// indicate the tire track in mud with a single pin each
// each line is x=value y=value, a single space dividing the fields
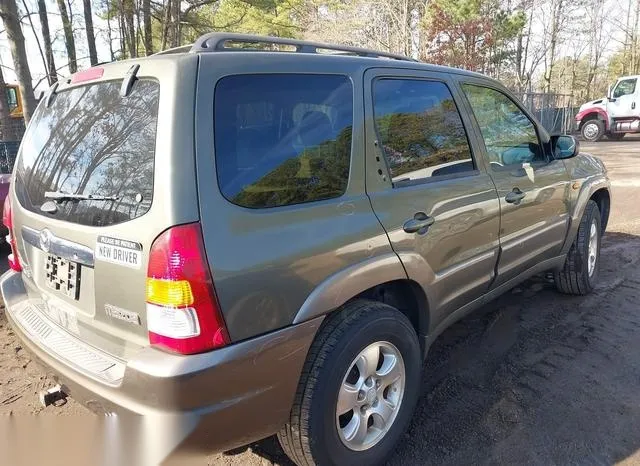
x=491 y=372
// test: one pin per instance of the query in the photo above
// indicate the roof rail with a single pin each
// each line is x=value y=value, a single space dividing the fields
x=181 y=49
x=218 y=42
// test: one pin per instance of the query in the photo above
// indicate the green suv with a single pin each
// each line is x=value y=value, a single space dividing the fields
x=253 y=236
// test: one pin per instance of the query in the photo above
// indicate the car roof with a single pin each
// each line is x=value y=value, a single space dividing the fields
x=230 y=43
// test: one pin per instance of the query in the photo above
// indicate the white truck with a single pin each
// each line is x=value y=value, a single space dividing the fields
x=612 y=116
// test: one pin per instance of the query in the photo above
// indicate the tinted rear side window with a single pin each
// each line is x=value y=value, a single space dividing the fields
x=92 y=141
x=420 y=129
x=283 y=139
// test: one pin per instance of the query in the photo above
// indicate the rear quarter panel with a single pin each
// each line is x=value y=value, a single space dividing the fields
x=267 y=262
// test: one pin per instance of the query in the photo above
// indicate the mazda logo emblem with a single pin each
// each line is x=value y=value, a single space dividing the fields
x=45 y=240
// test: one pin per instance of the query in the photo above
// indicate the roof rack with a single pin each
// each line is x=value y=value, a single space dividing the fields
x=222 y=42
x=181 y=49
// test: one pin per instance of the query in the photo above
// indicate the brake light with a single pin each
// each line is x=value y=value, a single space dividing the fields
x=183 y=314
x=87 y=75
x=7 y=220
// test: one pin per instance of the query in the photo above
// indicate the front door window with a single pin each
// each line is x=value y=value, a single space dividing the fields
x=509 y=136
x=625 y=87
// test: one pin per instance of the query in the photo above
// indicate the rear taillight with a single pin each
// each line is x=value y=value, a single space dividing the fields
x=183 y=314
x=7 y=219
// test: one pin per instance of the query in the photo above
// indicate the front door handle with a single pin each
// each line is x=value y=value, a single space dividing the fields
x=515 y=196
x=633 y=105
x=420 y=223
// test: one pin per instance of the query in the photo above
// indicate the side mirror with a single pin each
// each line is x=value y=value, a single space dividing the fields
x=565 y=147
x=609 y=92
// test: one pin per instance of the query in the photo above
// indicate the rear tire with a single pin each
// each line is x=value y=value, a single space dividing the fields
x=615 y=136
x=580 y=272
x=337 y=366
x=592 y=130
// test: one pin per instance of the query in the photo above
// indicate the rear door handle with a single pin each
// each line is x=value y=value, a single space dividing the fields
x=420 y=223
x=633 y=105
x=515 y=196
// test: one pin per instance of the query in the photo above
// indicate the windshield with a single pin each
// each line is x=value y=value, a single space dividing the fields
x=92 y=141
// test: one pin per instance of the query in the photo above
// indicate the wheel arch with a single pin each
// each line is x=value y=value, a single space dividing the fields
x=602 y=197
x=382 y=279
x=408 y=297
x=598 y=190
x=593 y=114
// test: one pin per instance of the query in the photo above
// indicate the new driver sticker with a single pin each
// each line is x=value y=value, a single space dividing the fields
x=119 y=251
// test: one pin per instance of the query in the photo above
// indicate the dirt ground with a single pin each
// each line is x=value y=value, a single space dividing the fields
x=533 y=378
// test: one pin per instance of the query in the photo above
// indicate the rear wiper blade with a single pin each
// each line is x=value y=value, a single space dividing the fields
x=58 y=196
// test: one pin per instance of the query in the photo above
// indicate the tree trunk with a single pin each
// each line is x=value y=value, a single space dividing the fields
x=7 y=132
x=146 y=18
x=91 y=37
x=635 y=57
x=129 y=8
x=35 y=35
x=175 y=22
x=628 y=36
x=574 y=74
x=123 y=31
x=519 y=55
x=52 y=75
x=166 y=25
x=555 y=28
x=110 y=37
x=138 y=16
x=11 y=20
x=68 y=36
x=525 y=57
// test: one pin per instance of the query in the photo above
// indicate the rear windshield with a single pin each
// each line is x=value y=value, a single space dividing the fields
x=92 y=141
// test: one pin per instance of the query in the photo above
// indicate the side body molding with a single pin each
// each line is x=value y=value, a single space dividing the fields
x=342 y=286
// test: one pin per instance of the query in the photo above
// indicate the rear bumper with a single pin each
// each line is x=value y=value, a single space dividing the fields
x=212 y=401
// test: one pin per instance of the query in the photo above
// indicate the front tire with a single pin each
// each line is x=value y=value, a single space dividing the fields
x=580 y=272
x=592 y=130
x=358 y=388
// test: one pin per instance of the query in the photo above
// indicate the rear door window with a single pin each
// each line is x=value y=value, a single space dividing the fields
x=282 y=139
x=92 y=141
x=420 y=130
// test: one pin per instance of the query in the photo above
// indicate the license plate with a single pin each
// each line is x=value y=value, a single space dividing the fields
x=63 y=275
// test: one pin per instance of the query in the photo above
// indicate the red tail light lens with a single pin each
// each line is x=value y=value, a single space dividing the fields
x=183 y=314
x=7 y=220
